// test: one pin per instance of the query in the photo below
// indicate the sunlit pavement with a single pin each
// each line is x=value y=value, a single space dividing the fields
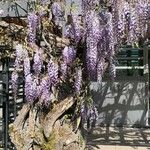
x=108 y=147
x=119 y=138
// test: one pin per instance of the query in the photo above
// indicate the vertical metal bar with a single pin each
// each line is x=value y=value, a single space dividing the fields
x=149 y=81
x=128 y=62
x=146 y=76
x=5 y=100
x=141 y=62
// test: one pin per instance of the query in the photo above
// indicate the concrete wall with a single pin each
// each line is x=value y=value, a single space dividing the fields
x=123 y=102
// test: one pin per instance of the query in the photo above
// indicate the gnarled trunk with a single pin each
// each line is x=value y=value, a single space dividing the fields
x=51 y=131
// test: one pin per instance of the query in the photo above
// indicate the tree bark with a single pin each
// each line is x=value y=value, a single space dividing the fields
x=33 y=131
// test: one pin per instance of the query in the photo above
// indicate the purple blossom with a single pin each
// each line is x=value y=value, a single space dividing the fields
x=32 y=26
x=112 y=68
x=58 y=13
x=92 y=39
x=100 y=69
x=133 y=26
x=111 y=48
x=44 y=92
x=78 y=80
x=63 y=68
x=91 y=58
x=26 y=65
x=45 y=97
x=89 y=4
x=52 y=72
x=38 y=62
x=21 y=53
x=74 y=31
x=69 y=54
x=92 y=25
x=143 y=15
x=77 y=28
x=30 y=88
x=44 y=84
x=115 y=21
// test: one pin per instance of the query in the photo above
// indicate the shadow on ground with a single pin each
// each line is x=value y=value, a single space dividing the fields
x=118 y=136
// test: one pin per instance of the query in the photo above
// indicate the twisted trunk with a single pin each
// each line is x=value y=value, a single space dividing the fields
x=32 y=130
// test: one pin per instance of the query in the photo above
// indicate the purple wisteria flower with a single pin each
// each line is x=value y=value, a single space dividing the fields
x=133 y=26
x=45 y=97
x=38 y=62
x=111 y=42
x=30 y=88
x=91 y=62
x=63 y=69
x=89 y=4
x=32 y=26
x=78 y=80
x=69 y=54
x=58 y=13
x=142 y=10
x=52 y=72
x=26 y=65
x=92 y=38
x=44 y=92
x=21 y=53
x=73 y=30
x=100 y=69
x=112 y=68
x=92 y=25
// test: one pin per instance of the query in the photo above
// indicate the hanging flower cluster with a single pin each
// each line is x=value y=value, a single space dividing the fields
x=37 y=86
x=21 y=55
x=44 y=92
x=52 y=72
x=30 y=88
x=94 y=40
x=130 y=19
x=58 y=13
x=69 y=54
x=73 y=29
x=78 y=80
x=32 y=27
x=38 y=62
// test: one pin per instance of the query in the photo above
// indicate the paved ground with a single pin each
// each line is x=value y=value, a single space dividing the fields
x=104 y=147
x=117 y=138
x=0 y=128
x=113 y=138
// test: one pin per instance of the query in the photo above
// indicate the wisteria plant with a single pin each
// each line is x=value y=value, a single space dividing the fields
x=61 y=55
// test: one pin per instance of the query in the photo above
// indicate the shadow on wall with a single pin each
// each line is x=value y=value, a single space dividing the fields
x=121 y=104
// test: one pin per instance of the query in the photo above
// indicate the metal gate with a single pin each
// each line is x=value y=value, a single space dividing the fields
x=8 y=106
